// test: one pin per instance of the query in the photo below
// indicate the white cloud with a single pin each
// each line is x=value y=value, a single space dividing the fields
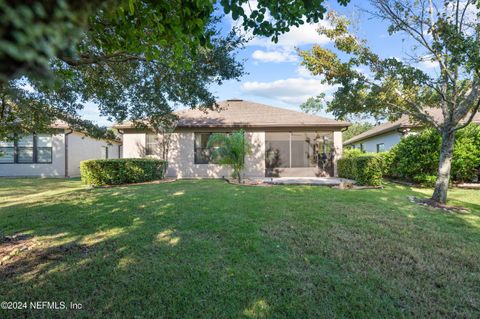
x=303 y=72
x=284 y=49
x=274 y=56
x=304 y=34
x=292 y=91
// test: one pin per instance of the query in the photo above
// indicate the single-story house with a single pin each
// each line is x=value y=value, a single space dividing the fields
x=284 y=142
x=56 y=154
x=384 y=136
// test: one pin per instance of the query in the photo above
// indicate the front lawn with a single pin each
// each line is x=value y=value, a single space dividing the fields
x=208 y=249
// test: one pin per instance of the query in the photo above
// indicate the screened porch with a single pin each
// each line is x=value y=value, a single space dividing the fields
x=299 y=154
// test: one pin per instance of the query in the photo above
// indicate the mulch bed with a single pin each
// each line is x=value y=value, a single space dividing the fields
x=12 y=246
x=247 y=182
x=345 y=185
x=447 y=208
x=22 y=253
x=468 y=185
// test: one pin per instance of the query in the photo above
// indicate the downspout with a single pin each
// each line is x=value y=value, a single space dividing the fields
x=66 y=152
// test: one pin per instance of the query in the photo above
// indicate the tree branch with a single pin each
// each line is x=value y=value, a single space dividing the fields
x=419 y=113
x=470 y=118
x=117 y=57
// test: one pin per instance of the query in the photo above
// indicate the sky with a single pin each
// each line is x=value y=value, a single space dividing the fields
x=274 y=75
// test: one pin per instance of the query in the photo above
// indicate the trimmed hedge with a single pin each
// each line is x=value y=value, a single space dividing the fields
x=121 y=171
x=365 y=169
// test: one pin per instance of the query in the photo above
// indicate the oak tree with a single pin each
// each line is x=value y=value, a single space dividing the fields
x=445 y=33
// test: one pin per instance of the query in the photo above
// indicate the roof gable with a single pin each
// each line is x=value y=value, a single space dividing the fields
x=246 y=114
x=240 y=113
x=403 y=122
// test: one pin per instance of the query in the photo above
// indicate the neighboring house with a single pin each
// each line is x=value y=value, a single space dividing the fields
x=284 y=142
x=53 y=155
x=384 y=136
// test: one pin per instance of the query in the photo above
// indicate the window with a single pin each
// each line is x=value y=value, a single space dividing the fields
x=28 y=149
x=7 y=152
x=361 y=147
x=151 y=144
x=25 y=149
x=44 y=148
x=104 y=152
x=202 y=153
x=380 y=147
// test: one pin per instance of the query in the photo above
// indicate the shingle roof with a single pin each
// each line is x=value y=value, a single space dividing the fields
x=240 y=113
x=403 y=122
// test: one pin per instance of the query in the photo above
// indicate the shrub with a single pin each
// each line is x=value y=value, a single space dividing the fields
x=121 y=171
x=365 y=169
x=386 y=161
x=415 y=158
x=415 y=155
x=466 y=155
x=352 y=152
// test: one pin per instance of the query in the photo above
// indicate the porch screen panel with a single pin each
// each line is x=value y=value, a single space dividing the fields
x=303 y=149
x=277 y=149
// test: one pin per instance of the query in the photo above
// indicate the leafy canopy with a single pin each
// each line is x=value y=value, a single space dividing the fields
x=136 y=59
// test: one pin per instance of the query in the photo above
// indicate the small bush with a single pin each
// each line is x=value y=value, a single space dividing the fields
x=121 y=171
x=366 y=169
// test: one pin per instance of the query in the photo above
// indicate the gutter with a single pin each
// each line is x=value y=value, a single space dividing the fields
x=66 y=152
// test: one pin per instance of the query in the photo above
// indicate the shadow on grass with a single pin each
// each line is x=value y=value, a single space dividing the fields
x=209 y=249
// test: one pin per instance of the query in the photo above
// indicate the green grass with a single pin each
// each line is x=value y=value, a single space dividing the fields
x=207 y=249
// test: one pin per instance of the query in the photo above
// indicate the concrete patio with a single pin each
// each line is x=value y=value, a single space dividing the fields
x=321 y=181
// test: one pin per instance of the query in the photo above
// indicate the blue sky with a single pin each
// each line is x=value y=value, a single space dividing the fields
x=274 y=75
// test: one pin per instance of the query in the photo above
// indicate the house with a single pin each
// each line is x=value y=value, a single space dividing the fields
x=56 y=154
x=284 y=142
x=384 y=136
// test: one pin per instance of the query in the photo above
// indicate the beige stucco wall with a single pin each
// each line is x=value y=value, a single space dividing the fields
x=181 y=156
x=54 y=169
x=338 y=146
x=133 y=144
x=81 y=147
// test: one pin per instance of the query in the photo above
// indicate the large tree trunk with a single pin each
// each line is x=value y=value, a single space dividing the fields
x=444 y=165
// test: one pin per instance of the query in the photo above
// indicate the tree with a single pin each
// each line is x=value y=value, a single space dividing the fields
x=356 y=129
x=136 y=59
x=164 y=138
x=125 y=84
x=315 y=104
x=446 y=33
x=230 y=149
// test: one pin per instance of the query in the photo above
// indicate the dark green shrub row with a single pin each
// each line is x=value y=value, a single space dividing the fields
x=365 y=169
x=121 y=171
x=415 y=158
